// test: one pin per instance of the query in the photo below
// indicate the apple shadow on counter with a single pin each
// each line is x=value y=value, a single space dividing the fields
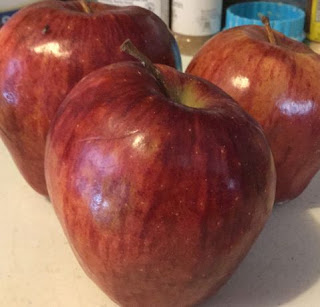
x=285 y=260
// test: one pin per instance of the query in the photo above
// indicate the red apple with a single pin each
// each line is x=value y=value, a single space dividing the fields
x=161 y=190
x=278 y=84
x=46 y=49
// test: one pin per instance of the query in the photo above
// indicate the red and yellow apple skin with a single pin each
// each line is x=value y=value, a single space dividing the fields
x=279 y=86
x=46 y=49
x=160 y=197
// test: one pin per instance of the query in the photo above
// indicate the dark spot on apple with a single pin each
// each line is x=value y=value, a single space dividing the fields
x=46 y=29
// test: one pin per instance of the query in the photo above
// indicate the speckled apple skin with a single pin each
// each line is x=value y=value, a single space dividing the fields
x=279 y=86
x=46 y=49
x=160 y=201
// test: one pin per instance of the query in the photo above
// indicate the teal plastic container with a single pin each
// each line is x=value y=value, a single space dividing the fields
x=284 y=18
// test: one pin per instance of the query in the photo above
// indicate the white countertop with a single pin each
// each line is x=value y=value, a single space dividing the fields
x=37 y=267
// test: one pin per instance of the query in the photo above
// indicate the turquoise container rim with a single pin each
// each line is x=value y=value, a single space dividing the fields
x=285 y=18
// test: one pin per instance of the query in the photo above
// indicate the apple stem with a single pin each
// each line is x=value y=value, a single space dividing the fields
x=265 y=20
x=85 y=6
x=129 y=48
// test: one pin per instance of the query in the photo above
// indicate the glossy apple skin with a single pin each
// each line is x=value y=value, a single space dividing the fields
x=46 y=49
x=279 y=86
x=160 y=201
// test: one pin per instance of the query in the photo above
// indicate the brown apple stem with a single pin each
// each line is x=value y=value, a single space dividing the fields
x=265 y=20
x=85 y=6
x=129 y=48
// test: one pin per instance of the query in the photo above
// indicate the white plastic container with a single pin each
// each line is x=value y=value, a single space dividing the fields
x=8 y=8
x=194 y=22
x=159 y=7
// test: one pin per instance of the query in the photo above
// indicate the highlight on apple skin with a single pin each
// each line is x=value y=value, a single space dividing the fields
x=160 y=194
x=278 y=84
x=46 y=48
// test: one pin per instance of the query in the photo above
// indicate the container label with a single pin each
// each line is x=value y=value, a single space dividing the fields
x=4 y=16
x=159 y=7
x=314 y=30
x=197 y=18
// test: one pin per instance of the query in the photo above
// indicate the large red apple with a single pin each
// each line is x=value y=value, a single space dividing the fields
x=278 y=84
x=46 y=49
x=161 y=190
